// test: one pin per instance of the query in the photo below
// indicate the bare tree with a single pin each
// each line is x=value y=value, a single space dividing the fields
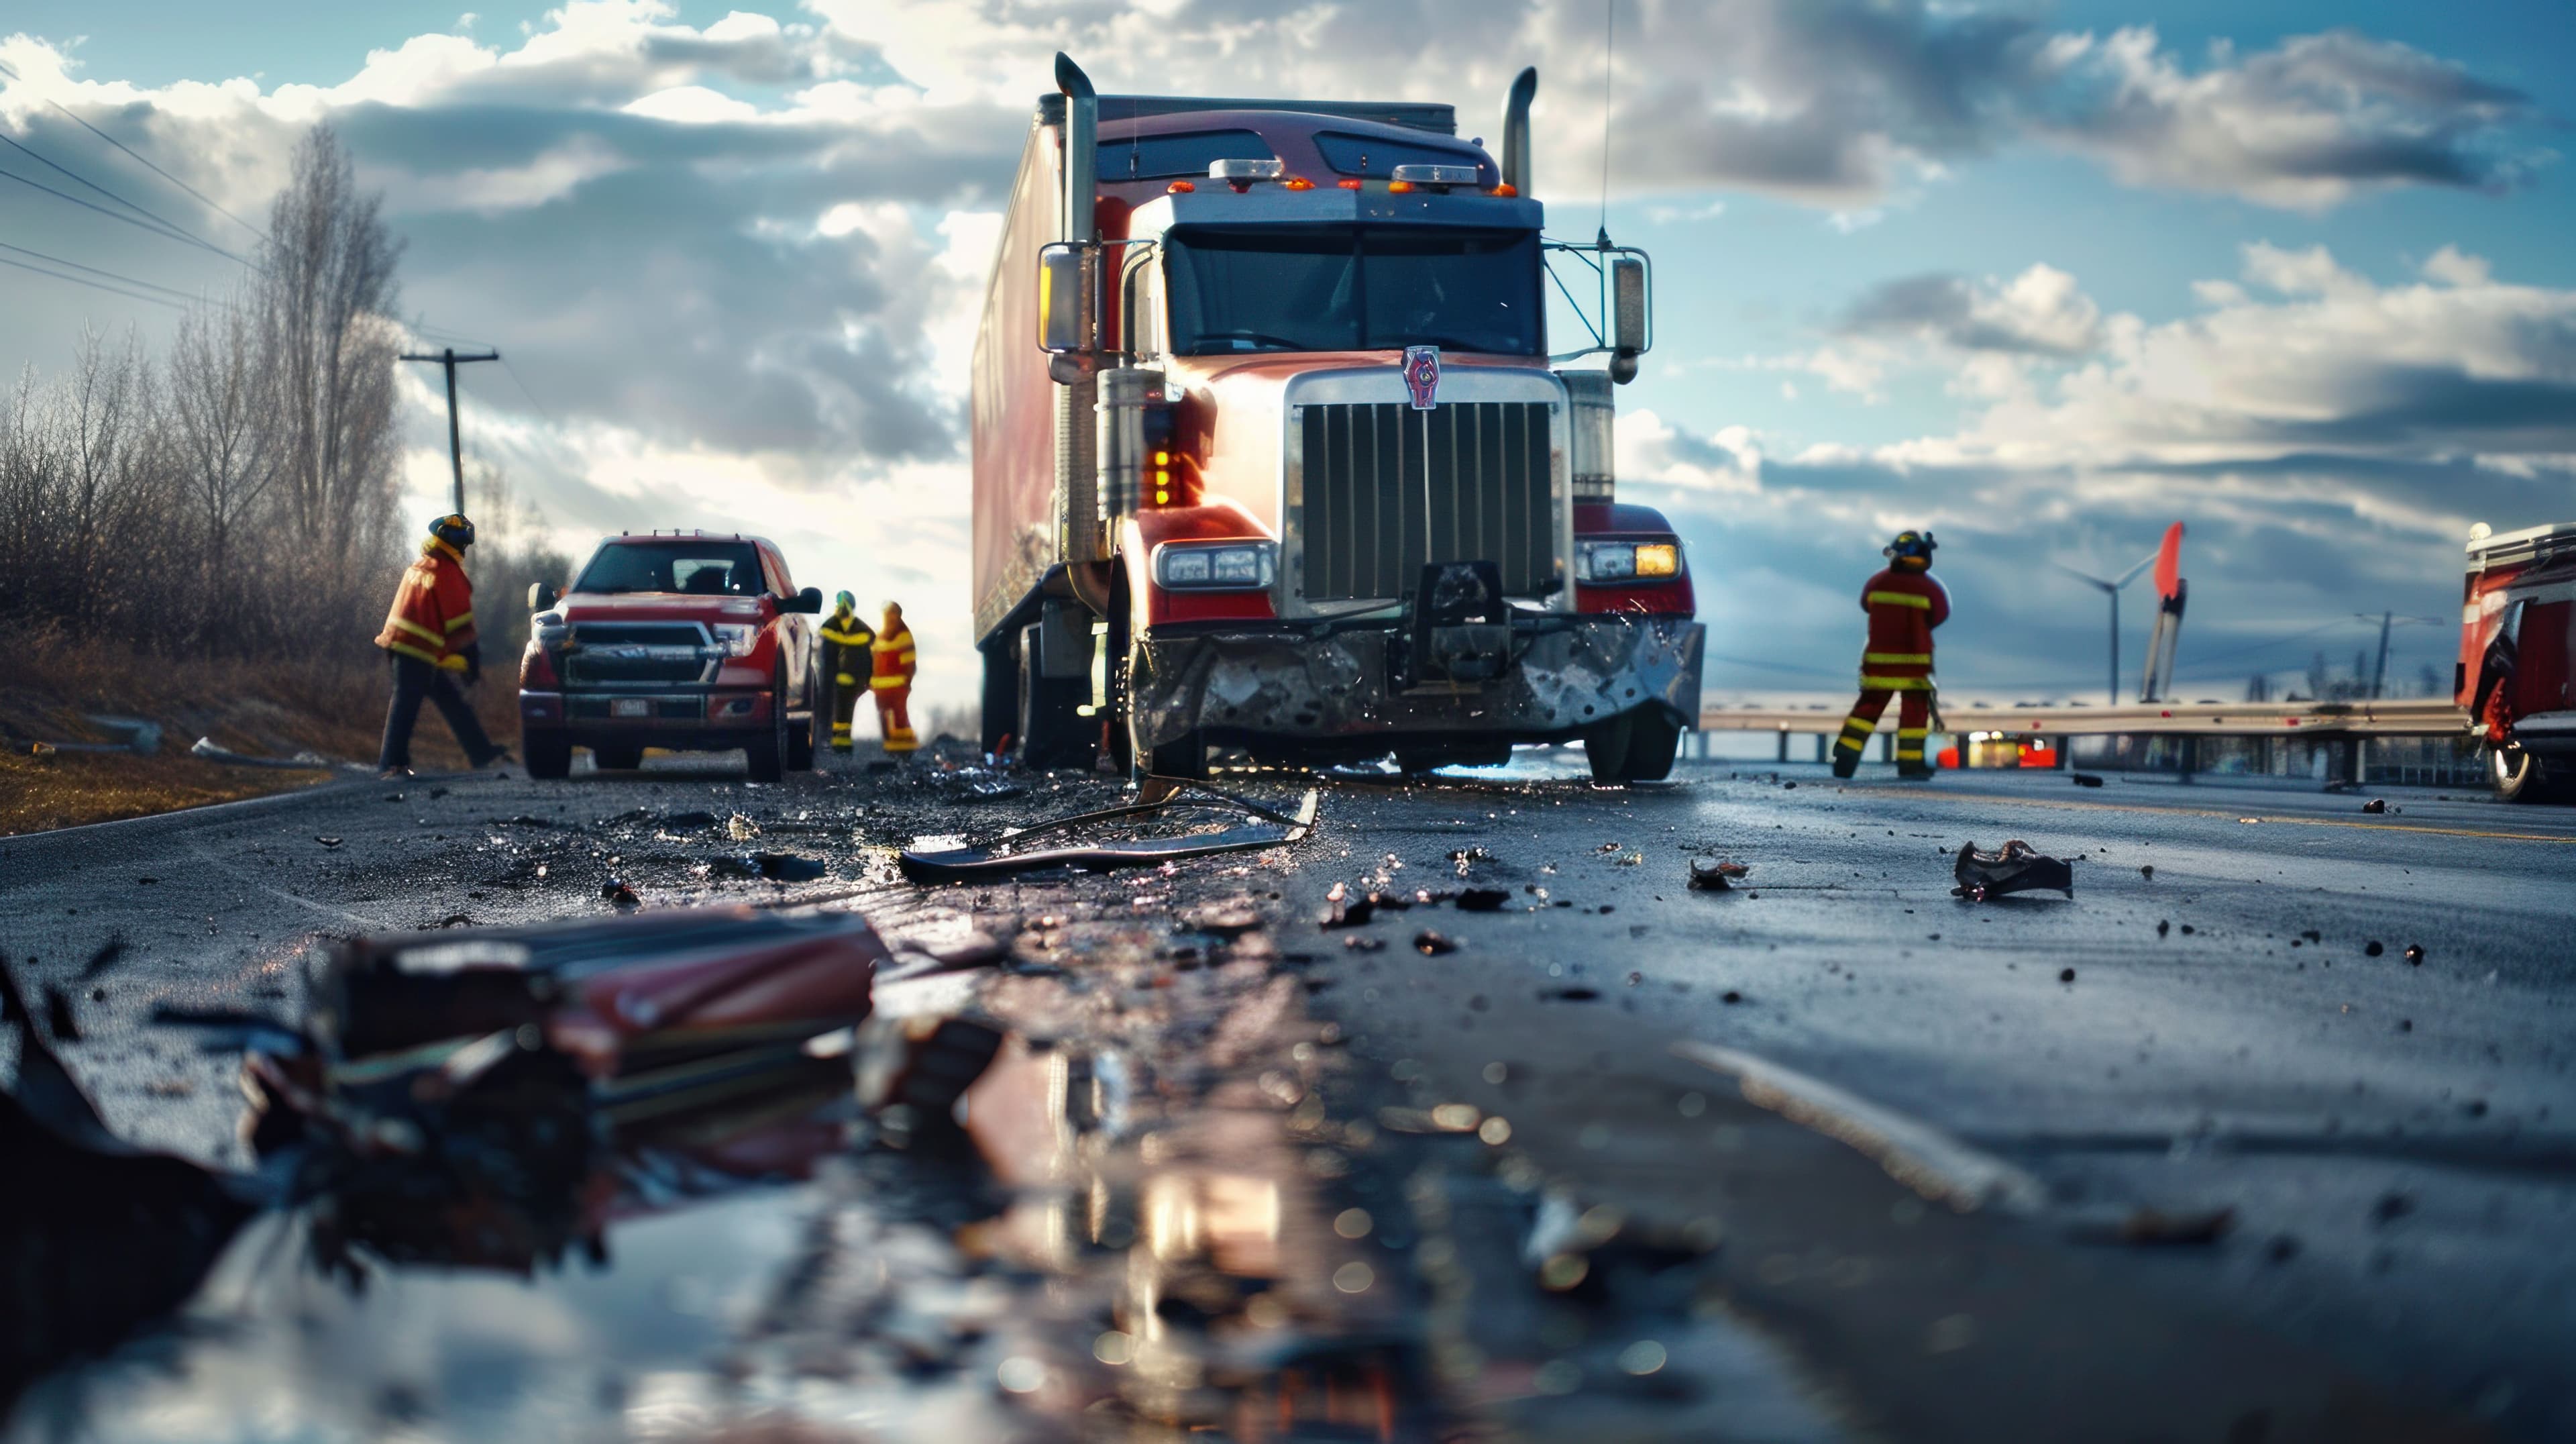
x=327 y=287
x=222 y=402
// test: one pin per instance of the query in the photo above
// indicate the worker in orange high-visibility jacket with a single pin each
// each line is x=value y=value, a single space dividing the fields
x=1904 y=604
x=891 y=682
x=429 y=641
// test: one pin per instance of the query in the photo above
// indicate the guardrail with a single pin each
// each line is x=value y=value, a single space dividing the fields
x=2427 y=717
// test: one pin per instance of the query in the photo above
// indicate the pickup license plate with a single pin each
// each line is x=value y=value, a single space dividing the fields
x=630 y=707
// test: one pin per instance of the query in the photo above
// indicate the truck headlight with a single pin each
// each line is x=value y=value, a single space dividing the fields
x=737 y=640
x=1234 y=566
x=1628 y=561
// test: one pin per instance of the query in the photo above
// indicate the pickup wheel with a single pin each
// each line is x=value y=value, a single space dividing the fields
x=1605 y=746
x=548 y=752
x=617 y=759
x=1652 y=741
x=803 y=742
x=768 y=755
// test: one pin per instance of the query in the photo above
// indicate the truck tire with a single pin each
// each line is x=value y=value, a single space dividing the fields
x=1605 y=746
x=2521 y=777
x=767 y=755
x=1653 y=739
x=1185 y=756
x=1052 y=733
x=1001 y=710
x=617 y=759
x=548 y=751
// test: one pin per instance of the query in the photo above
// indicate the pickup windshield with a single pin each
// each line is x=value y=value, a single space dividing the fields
x=694 y=568
x=1353 y=288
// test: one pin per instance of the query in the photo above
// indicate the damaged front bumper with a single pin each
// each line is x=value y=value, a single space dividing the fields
x=1290 y=683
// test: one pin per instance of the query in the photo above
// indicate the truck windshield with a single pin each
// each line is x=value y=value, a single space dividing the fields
x=1353 y=288
x=694 y=568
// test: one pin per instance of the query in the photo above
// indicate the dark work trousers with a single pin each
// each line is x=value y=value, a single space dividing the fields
x=415 y=679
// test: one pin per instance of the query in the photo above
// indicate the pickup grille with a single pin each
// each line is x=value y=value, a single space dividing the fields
x=638 y=634
x=595 y=667
x=1387 y=489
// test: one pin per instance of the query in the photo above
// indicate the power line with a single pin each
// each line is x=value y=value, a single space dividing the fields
x=113 y=215
x=93 y=285
x=111 y=275
x=176 y=231
x=141 y=159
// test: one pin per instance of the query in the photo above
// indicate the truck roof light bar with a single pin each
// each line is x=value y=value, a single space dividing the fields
x=1436 y=175
x=1247 y=170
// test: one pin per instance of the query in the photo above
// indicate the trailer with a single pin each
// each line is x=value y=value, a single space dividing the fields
x=1271 y=452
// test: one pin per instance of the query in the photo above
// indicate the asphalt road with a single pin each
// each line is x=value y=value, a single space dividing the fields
x=1797 y=1083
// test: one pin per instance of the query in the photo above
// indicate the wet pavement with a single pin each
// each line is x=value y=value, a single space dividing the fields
x=1550 y=1146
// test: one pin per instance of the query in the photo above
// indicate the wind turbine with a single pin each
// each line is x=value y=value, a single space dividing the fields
x=2111 y=589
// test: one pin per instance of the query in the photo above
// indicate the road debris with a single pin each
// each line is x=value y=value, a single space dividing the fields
x=205 y=747
x=1432 y=944
x=1712 y=874
x=1482 y=900
x=2415 y=954
x=2017 y=867
x=2373 y=948
x=990 y=859
x=328 y=841
x=2147 y=1226
x=2376 y=804
x=2085 y=779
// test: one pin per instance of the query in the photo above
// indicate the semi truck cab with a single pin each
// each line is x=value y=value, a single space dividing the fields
x=1271 y=451
x=2517 y=670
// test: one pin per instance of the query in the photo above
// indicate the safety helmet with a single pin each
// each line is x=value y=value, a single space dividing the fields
x=844 y=602
x=894 y=609
x=454 y=530
x=1913 y=546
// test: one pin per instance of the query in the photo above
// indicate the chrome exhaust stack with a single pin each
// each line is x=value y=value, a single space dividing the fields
x=1516 y=131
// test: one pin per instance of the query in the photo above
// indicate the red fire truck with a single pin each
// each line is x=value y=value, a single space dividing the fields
x=1270 y=450
x=2518 y=655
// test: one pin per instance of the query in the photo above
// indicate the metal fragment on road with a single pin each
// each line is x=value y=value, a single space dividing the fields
x=2016 y=867
x=1710 y=874
x=983 y=859
x=1914 y=1153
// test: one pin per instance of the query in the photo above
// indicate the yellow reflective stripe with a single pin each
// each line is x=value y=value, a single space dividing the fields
x=882 y=683
x=847 y=639
x=466 y=620
x=908 y=658
x=844 y=679
x=896 y=645
x=1898 y=599
x=1898 y=659
x=417 y=629
x=1894 y=684
x=1912 y=734
x=411 y=651
x=1856 y=725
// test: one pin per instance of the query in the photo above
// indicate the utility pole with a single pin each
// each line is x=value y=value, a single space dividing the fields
x=2379 y=671
x=448 y=359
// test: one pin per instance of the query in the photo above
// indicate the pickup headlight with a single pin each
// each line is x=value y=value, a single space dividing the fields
x=737 y=640
x=1234 y=566
x=1628 y=561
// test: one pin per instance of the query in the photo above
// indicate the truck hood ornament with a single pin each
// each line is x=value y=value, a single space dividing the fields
x=1422 y=376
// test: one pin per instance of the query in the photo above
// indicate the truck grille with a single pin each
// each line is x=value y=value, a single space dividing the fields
x=638 y=634
x=1388 y=489
x=615 y=667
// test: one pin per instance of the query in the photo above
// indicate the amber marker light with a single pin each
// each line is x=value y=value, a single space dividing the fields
x=1399 y=188
x=1659 y=559
x=1179 y=188
x=1506 y=190
x=1296 y=183
x=1348 y=183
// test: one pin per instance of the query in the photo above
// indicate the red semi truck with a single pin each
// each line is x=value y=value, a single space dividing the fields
x=1270 y=450
x=2517 y=669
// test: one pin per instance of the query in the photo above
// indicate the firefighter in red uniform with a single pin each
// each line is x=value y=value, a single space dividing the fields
x=1904 y=604
x=429 y=640
x=891 y=682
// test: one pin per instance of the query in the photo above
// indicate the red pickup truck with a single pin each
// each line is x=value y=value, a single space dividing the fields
x=689 y=641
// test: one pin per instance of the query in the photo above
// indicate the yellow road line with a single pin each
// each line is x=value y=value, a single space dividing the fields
x=2074 y=805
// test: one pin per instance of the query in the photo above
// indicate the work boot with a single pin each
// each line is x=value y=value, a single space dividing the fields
x=1846 y=762
x=394 y=774
x=1917 y=773
x=493 y=758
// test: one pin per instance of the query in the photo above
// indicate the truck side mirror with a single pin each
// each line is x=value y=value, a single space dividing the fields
x=541 y=596
x=808 y=601
x=1629 y=334
x=1063 y=268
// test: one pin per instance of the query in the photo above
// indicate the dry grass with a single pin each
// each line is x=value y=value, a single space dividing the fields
x=264 y=709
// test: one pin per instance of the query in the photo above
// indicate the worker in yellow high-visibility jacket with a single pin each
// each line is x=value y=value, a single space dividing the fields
x=891 y=680
x=846 y=641
x=1904 y=604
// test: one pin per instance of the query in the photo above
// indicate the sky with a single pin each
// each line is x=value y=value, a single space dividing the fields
x=2040 y=277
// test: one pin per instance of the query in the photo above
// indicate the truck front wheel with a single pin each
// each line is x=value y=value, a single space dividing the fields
x=2521 y=777
x=549 y=752
x=1653 y=739
x=1605 y=746
x=1184 y=756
